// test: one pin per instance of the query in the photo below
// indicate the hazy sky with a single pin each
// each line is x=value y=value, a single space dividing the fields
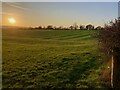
x=59 y=13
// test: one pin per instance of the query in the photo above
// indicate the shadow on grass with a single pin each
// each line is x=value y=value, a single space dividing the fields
x=81 y=71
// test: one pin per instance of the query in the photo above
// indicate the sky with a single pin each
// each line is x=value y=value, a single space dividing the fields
x=35 y=14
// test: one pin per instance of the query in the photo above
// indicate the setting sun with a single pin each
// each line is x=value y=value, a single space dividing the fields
x=12 y=20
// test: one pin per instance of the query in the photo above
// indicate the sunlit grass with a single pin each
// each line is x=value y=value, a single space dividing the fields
x=52 y=59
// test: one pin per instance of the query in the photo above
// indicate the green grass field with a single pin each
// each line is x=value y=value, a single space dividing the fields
x=53 y=59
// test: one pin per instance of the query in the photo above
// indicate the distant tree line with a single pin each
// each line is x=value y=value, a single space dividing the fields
x=72 y=27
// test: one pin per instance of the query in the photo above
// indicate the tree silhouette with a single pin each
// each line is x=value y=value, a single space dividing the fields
x=98 y=28
x=49 y=27
x=71 y=27
x=40 y=27
x=89 y=27
x=82 y=27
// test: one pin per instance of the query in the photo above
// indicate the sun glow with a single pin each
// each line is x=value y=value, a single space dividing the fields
x=12 y=20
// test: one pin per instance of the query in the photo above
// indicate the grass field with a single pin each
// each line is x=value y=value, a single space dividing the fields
x=53 y=59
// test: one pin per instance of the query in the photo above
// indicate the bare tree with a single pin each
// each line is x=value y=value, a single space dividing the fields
x=75 y=26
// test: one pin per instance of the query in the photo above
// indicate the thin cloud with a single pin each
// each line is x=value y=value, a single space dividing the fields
x=5 y=13
x=19 y=7
x=16 y=5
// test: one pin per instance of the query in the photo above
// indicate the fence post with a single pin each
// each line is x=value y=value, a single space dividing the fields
x=115 y=68
x=112 y=66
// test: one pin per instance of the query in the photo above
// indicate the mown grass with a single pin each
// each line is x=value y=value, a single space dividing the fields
x=53 y=59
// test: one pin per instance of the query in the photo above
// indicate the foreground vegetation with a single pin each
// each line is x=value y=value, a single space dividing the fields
x=60 y=58
x=110 y=44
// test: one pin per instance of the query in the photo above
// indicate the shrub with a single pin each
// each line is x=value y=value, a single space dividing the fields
x=109 y=37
